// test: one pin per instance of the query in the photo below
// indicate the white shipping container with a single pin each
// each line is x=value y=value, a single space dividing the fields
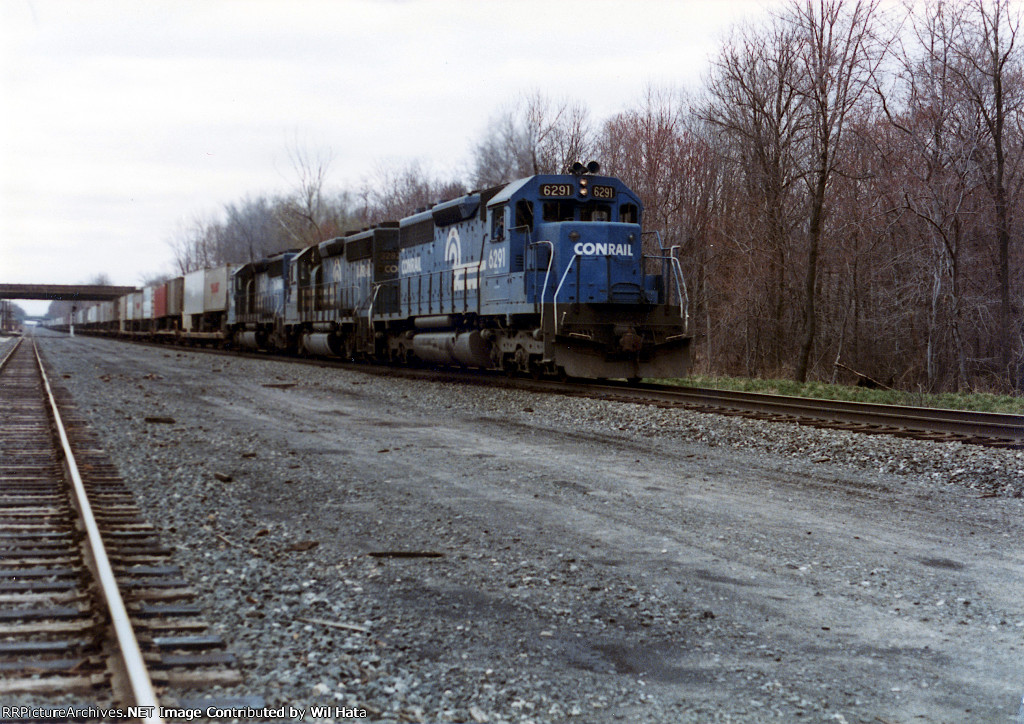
x=194 y=283
x=206 y=291
x=218 y=284
x=122 y=311
x=147 y=302
x=129 y=307
x=92 y=314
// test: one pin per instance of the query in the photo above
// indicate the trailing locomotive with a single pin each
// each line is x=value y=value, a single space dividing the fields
x=544 y=275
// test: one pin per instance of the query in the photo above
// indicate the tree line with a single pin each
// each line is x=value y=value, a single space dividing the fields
x=844 y=189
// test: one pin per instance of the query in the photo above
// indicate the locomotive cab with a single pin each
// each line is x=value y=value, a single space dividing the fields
x=583 y=233
x=575 y=244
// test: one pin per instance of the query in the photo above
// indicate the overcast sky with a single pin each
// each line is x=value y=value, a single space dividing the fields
x=124 y=121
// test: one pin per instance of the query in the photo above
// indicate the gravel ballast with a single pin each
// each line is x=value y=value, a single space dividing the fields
x=427 y=551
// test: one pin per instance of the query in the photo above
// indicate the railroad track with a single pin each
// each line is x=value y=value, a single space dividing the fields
x=921 y=423
x=93 y=613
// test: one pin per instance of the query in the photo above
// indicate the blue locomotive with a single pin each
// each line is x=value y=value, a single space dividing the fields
x=260 y=294
x=544 y=275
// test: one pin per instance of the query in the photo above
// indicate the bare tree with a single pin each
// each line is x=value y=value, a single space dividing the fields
x=534 y=135
x=153 y=279
x=753 y=101
x=641 y=146
x=194 y=245
x=988 y=68
x=252 y=229
x=939 y=147
x=397 y=191
x=306 y=210
x=837 y=58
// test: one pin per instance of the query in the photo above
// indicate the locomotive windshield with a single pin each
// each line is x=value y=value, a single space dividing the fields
x=576 y=211
x=596 y=212
x=559 y=210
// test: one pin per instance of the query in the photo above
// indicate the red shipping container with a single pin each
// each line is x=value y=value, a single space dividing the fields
x=160 y=301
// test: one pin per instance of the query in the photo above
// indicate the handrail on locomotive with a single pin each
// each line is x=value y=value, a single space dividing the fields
x=684 y=295
x=670 y=268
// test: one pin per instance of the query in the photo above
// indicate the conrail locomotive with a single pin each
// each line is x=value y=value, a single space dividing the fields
x=543 y=275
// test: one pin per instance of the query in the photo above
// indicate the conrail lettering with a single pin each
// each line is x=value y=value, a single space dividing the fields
x=592 y=249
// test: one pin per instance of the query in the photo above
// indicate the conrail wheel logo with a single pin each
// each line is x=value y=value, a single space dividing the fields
x=464 y=276
x=591 y=249
x=453 y=248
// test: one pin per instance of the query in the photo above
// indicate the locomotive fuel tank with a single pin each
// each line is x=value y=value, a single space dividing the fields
x=470 y=349
x=250 y=340
x=325 y=344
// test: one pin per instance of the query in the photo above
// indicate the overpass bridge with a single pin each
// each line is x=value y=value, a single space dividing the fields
x=69 y=292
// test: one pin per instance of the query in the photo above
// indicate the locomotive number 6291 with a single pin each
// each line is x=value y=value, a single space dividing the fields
x=556 y=190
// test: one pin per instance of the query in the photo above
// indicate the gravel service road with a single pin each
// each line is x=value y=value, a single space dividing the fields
x=436 y=552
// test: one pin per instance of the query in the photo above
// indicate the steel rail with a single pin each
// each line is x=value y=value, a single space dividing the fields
x=929 y=413
x=10 y=352
x=135 y=667
x=992 y=425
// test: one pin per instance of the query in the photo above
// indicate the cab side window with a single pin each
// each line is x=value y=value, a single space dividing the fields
x=524 y=216
x=498 y=223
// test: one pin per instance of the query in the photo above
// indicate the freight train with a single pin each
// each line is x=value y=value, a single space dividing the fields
x=544 y=275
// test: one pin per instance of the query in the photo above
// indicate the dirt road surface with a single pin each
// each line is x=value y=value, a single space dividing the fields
x=588 y=573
